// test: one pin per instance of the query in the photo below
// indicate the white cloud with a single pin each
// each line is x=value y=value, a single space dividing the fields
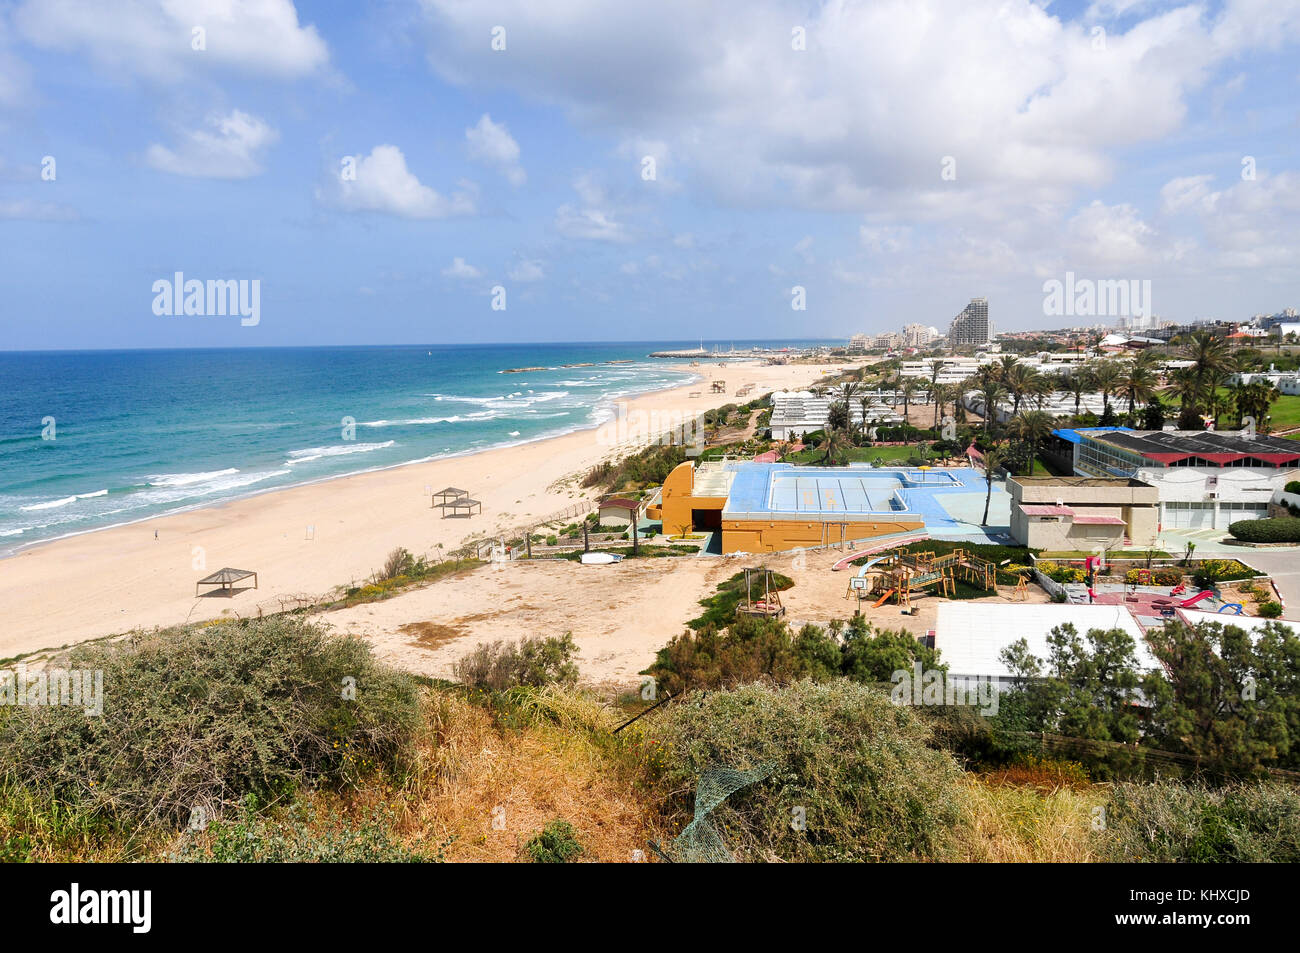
x=33 y=211
x=383 y=183
x=1020 y=97
x=1114 y=235
x=596 y=219
x=155 y=38
x=228 y=148
x=527 y=270
x=491 y=142
x=459 y=268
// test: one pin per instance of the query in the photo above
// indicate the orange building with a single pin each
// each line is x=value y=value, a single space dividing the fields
x=764 y=507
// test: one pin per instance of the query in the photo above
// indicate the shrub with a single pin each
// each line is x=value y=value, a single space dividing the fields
x=195 y=718
x=1164 y=576
x=531 y=662
x=554 y=844
x=299 y=836
x=1293 y=486
x=1059 y=573
x=1279 y=529
x=1270 y=609
x=858 y=765
x=1168 y=822
x=1219 y=570
x=745 y=651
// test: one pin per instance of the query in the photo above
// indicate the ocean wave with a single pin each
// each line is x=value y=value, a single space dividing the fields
x=64 y=501
x=316 y=453
x=185 y=479
x=421 y=421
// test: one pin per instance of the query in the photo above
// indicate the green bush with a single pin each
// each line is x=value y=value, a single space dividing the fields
x=554 y=844
x=1270 y=609
x=1168 y=822
x=1163 y=576
x=531 y=662
x=298 y=836
x=1279 y=529
x=1059 y=573
x=1293 y=486
x=860 y=767
x=1220 y=570
x=197 y=717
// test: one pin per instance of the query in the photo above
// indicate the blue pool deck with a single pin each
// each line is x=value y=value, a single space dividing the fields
x=949 y=501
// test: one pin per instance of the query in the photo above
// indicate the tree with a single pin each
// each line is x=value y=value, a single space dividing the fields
x=1153 y=414
x=1105 y=377
x=1033 y=428
x=990 y=392
x=1084 y=689
x=1212 y=361
x=909 y=387
x=992 y=460
x=1074 y=382
x=834 y=445
x=1136 y=384
x=1228 y=699
x=838 y=416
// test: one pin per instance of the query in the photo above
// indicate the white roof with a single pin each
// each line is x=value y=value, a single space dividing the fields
x=970 y=637
x=1248 y=623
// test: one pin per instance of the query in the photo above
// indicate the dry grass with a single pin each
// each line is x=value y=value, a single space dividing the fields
x=553 y=767
x=1010 y=823
x=431 y=634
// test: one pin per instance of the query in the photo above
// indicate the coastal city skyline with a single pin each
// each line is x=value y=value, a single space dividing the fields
x=424 y=173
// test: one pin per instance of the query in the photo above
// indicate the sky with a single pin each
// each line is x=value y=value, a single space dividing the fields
x=423 y=171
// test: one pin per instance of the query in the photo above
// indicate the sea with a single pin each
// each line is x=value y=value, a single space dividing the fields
x=92 y=439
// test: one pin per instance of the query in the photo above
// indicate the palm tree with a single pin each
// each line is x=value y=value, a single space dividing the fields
x=1075 y=382
x=1033 y=428
x=941 y=394
x=990 y=393
x=1105 y=377
x=910 y=385
x=833 y=445
x=864 y=402
x=1136 y=384
x=993 y=457
x=1212 y=362
x=1019 y=382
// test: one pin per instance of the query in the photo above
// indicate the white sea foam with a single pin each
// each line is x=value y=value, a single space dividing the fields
x=338 y=450
x=185 y=479
x=64 y=501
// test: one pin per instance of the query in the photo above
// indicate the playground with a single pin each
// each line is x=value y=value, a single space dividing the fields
x=896 y=574
x=1152 y=605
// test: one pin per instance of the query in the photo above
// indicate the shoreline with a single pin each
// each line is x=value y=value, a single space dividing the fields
x=23 y=548
x=308 y=539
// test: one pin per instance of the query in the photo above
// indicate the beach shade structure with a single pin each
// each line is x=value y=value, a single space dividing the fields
x=225 y=579
x=462 y=506
x=449 y=495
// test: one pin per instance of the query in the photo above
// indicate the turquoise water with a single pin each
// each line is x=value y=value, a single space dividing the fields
x=141 y=433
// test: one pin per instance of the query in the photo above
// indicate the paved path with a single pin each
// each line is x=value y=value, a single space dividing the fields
x=1283 y=565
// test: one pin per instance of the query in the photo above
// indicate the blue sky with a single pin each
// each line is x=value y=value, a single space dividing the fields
x=1106 y=139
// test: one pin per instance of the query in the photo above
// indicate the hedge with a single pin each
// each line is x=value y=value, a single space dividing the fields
x=1279 y=529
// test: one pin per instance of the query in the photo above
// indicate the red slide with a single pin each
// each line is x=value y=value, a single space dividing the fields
x=1188 y=603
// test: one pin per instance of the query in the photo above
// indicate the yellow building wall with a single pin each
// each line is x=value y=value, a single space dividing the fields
x=760 y=535
x=769 y=536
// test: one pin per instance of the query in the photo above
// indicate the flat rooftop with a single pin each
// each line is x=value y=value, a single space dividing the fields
x=946 y=500
x=1076 y=481
x=1203 y=443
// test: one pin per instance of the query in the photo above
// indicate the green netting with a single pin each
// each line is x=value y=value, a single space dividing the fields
x=699 y=842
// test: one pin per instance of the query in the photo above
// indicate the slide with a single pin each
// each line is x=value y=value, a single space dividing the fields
x=1203 y=594
x=881 y=601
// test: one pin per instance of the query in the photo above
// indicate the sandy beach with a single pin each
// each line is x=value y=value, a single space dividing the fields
x=118 y=579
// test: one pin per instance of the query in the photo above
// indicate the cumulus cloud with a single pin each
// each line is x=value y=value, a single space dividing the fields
x=1027 y=103
x=490 y=142
x=33 y=211
x=594 y=219
x=459 y=268
x=157 y=39
x=381 y=182
x=228 y=147
x=527 y=270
